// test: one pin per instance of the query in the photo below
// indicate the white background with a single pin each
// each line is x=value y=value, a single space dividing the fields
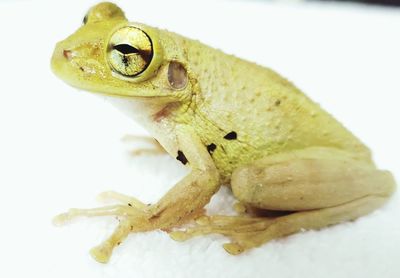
x=60 y=147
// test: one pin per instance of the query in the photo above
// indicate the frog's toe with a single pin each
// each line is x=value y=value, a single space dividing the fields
x=180 y=235
x=102 y=253
x=123 y=211
x=61 y=219
x=233 y=248
x=122 y=198
x=240 y=208
x=231 y=226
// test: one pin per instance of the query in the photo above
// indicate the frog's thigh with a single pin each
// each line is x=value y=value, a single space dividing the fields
x=309 y=179
x=324 y=188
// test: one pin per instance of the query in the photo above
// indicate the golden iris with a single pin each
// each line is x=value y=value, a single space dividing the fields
x=130 y=51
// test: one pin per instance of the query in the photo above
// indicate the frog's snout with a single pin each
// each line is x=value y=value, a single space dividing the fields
x=60 y=59
x=59 y=56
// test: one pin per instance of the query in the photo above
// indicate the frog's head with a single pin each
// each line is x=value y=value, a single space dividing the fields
x=112 y=56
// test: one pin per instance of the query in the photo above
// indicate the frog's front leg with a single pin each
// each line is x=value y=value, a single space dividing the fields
x=182 y=203
x=320 y=186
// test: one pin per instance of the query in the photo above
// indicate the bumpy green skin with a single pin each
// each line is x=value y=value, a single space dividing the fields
x=268 y=113
x=234 y=122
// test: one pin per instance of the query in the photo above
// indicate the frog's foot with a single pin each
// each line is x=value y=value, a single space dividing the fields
x=240 y=229
x=133 y=216
x=130 y=207
x=248 y=232
x=154 y=146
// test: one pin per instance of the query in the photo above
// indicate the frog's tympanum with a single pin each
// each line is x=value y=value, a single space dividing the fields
x=232 y=122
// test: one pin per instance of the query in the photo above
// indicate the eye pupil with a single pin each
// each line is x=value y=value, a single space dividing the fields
x=125 y=49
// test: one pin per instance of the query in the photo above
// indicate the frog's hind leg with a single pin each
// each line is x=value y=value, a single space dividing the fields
x=246 y=235
x=320 y=186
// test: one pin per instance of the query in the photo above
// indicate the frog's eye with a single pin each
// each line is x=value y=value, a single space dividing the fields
x=130 y=51
x=103 y=11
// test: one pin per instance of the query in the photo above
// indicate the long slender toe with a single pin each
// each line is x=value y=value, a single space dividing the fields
x=233 y=248
x=102 y=253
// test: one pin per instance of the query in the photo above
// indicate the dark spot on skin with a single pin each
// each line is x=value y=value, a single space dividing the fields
x=182 y=158
x=129 y=204
x=119 y=242
x=278 y=102
x=131 y=228
x=85 y=19
x=211 y=148
x=231 y=136
x=81 y=68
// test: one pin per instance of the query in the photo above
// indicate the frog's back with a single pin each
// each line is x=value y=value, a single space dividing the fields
x=244 y=112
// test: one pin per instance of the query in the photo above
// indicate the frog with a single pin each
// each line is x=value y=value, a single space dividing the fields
x=290 y=165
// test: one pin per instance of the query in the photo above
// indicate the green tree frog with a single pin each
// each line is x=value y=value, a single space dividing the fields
x=232 y=122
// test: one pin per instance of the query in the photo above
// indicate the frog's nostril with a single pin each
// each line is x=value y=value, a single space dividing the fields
x=67 y=54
